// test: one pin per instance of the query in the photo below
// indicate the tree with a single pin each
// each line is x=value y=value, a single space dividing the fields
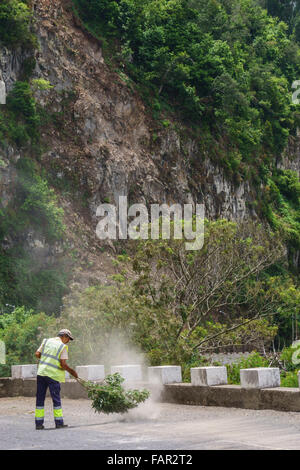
x=15 y=18
x=22 y=332
x=218 y=286
x=176 y=305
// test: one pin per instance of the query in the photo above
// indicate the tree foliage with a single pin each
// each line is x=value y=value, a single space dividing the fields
x=184 y=304
x=22 y=332
x=19 y=121
x=32 y=211
x=287 y=11
x=222 y=276
x=227 y=64
x=15 y=20
x=111 y=397
x=24 y=279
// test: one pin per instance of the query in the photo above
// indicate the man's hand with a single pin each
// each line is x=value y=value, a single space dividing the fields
x=37 y=354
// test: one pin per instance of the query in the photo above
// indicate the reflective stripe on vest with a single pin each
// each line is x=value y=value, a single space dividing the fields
x=49 y=364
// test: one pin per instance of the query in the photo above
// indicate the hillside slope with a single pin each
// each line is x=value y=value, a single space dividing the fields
x=99 y=141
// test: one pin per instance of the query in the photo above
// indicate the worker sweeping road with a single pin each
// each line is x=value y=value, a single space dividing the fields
x=52 y=355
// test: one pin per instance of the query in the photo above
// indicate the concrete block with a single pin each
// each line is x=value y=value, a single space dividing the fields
x=260 y=377
x=208 y=376
x=27 y=371
x=164 y=374
x=130 y=372
x=2 y=92
x=93 y=372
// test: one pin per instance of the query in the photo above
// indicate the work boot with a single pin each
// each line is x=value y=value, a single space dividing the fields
x=60 y=426
x=41 y=426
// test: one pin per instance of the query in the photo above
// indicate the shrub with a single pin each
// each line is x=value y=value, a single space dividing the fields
x=21 y=104
x=289 y=379
x=22 y=332
x=111 y=397
x=34 y=205
x=290 y=358
x=15 y=18
x=19 y=120
x=41 y=84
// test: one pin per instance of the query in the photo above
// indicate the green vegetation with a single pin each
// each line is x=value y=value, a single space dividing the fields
x=288 y=370
x=225 y=66
x=26 y=277
x=22 y=332
x=25 y=280
x=15 y=20
x=183 y=304
x=223 y=69
x=41 y=84
x=253 y=360
x=19 y=121
x=287 y=11
x=289 y=379
x=290 y=364
x=37 y=204
x=281 y=206
x=110 y=397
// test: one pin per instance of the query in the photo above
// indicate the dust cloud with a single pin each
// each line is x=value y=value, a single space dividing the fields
x=118 y=350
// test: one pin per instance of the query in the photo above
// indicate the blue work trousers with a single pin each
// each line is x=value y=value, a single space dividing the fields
x=42 y=385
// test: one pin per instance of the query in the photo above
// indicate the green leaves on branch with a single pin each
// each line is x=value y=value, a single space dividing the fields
x=15 y=20
x=183 y=304
x=281 y=206
x=111 y=397
x=22 y=332
x=223 y=65
x=19 y=121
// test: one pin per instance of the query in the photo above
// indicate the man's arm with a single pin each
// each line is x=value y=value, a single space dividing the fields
x=38 y=352
x=64 y=365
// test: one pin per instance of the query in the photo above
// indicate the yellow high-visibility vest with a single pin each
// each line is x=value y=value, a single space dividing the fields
x=49 y=364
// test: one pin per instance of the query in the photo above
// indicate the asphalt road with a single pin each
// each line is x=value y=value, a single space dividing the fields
x=152 y=426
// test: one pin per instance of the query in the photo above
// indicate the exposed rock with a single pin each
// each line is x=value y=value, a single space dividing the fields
x=104 y=142
x=11 y=65
x=114 y=154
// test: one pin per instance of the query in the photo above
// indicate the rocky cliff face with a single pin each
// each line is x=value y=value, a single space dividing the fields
x=103 y=142
x=111 y=144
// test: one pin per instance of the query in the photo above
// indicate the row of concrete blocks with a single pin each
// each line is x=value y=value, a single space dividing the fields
x=131 y=373
x=261 y=377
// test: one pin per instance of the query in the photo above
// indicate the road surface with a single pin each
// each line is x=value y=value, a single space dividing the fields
x=154 y=426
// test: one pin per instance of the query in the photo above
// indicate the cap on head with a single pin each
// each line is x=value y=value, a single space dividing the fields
x=66 y=332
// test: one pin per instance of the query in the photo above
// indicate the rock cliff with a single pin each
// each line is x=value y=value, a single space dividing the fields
x=102 y=140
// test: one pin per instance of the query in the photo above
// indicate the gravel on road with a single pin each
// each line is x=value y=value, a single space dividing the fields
x=151 y=426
